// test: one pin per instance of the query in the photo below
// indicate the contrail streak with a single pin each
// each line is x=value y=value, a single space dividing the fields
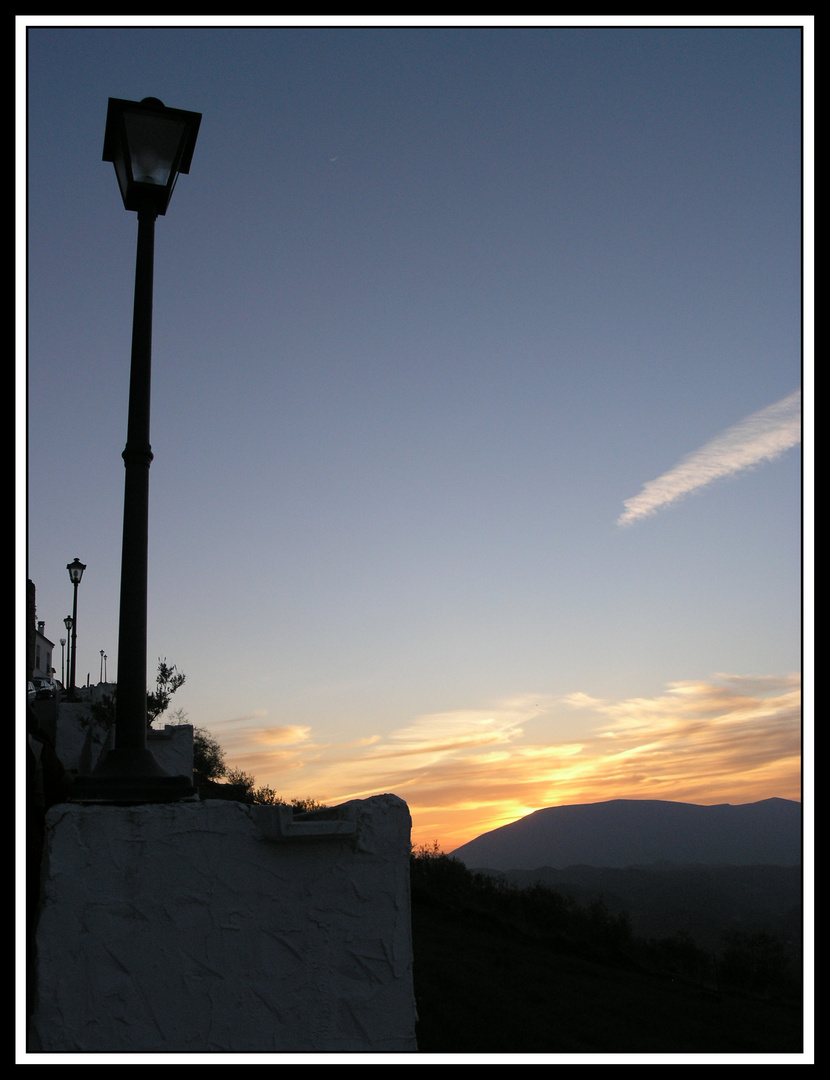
x=763 y=436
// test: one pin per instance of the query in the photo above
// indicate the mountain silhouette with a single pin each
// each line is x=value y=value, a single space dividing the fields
x=637 y=832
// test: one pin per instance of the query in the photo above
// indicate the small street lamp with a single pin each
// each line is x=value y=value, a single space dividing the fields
x=101 y=673
x=76 y=572
x=149 y=145
x=63 y=677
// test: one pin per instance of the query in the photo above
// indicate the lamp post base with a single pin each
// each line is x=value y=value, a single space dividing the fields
x=130 y=777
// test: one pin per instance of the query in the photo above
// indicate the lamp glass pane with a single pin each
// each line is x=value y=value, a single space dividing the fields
x=121 y=173
x=153 y=142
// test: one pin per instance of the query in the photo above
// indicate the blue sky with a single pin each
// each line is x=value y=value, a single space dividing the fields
x=476 y=402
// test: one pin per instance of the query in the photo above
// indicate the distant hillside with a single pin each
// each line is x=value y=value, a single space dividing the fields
x=634 y=832
x=504 y=970
x=705 y=902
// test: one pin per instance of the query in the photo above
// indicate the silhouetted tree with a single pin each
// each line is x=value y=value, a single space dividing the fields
x=302 y=806
x=168 y=681
x=216 y=780
x=245 y=789
x=208 y=757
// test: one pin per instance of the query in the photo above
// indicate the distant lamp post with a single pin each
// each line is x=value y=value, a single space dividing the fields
x=101 y=673
x=149 y=145
x=63 y=676
x=67 y=622
x=76 y=572
x=105 y=667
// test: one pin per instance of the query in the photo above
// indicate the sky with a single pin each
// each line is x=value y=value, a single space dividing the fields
x=478 y=360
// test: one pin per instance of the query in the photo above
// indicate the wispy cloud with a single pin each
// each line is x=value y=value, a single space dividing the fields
x=258 y=714
x=764 y=436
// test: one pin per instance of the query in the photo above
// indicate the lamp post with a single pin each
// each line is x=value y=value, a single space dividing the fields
x=63 y=677
x=76 y=572
x=149 y=145
x=67 y=622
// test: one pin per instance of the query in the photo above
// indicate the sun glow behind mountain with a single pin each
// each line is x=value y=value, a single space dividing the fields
x=732 y=739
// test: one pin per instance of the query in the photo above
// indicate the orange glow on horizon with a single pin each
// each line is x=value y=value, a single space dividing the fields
x=452 y=827
x=733 y=739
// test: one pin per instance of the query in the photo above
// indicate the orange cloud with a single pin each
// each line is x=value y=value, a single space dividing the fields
x=732 y=739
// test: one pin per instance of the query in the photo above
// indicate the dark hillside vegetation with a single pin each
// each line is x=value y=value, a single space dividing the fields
x=703 y=902
x=500 y=969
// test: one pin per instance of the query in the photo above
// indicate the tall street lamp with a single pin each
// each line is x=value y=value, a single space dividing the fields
x=149 y=145
x=76 y=572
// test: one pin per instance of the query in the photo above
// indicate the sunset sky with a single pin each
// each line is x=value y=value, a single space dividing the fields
x=477 y=401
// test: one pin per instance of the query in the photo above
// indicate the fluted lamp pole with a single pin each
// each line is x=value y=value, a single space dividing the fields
x=149 y=145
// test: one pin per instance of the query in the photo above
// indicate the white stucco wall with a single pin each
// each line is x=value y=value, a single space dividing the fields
x=218 y=927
